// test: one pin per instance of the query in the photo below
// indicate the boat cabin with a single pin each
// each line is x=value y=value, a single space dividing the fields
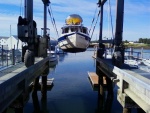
x=68 y=29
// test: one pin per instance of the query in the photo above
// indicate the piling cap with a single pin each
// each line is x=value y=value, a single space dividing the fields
x=74 y=19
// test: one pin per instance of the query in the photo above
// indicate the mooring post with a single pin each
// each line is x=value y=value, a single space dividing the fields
x=100 y=91
x=13 y=56
x=126 y=110
x=44 y=106
x=46 y=71
x=44 y=82
x=36 y=102
x=110 y=96
x=44 y=87
x=36 y=84
x=141 y=52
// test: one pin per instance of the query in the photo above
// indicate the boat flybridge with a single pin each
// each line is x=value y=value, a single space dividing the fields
x=74 y=37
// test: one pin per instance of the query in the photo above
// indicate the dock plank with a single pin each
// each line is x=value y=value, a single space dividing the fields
x=93 y=78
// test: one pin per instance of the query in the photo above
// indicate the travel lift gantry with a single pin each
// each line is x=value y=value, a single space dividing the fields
x=35 y=45
x=118 y=47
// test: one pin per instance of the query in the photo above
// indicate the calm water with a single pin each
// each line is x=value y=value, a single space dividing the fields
x=72 y=91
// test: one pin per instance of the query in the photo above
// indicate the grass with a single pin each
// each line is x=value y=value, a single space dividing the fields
x=145 y=46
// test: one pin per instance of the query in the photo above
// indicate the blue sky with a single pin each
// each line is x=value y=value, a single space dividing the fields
x=136 y=16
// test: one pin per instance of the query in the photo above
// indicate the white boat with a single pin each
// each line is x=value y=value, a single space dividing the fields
x=58 y=50
x=146 y=62
x=130 y=60
x=74 y=37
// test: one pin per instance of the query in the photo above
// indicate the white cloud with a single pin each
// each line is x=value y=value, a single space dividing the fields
x=134 y=11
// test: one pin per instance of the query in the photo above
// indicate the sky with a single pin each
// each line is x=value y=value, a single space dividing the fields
x=136 y=17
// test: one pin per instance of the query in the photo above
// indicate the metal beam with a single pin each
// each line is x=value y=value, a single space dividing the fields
x=101 y=2
x=119 y=22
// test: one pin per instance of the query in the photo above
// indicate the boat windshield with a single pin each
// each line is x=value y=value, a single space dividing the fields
x=74 y=29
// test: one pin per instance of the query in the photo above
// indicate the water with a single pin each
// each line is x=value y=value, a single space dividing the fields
x=72 y=91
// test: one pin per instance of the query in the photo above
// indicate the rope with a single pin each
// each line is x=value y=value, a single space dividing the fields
x=111 y=19
x=95 y=24
x=53 y=20
x=21 y=14
x=93 y=20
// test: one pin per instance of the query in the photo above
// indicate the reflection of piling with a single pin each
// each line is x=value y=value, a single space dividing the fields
x=35 y=102
x=44 y=87
x=44 y=82
x=18 y=104
x=36 y=84
x=110 y=96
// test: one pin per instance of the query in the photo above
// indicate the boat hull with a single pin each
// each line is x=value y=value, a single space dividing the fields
x=74 y=42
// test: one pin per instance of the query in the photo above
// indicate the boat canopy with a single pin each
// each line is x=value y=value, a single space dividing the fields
x=74 y=19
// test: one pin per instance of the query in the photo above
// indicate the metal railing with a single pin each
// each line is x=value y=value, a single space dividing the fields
x=9 y=57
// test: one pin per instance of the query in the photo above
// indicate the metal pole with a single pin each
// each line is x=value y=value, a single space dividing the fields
x=119 y=22
x=25 y=8
x=45 y=19
x=101 y=26
x=2 y=55
x=7 y=55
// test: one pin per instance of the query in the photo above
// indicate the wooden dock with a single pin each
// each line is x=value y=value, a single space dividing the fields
x=133 y=83
x=16 y=79
x=93 y=78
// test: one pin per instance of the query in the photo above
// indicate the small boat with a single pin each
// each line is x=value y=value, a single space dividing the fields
x=130 y=60
x=58 y=50
x=146 y=62
x=75 y=37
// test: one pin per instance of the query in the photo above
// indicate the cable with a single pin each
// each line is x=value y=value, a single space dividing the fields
x=93 y=20
x=53 y=20
x=111 y=19
x=95 y=24
x=21 y=14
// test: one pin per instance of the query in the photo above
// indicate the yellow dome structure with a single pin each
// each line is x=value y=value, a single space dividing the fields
x=74 y=19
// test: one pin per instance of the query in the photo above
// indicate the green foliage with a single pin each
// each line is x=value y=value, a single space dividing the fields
x=144 y=40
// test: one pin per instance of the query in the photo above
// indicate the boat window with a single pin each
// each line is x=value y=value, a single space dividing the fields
x=80 y=29
x=74 y=29
x=84 y=30
x=66 y=30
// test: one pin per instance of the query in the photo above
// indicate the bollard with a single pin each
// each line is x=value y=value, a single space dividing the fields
x=110 y=96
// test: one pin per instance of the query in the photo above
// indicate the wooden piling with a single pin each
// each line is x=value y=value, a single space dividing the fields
x=35 y=84
x=110 y=96
x=36 y=104
x=18 y=104
x=126 y=110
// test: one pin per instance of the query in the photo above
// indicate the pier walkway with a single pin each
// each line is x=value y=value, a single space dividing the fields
x=133 y=83
x=16 y=79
